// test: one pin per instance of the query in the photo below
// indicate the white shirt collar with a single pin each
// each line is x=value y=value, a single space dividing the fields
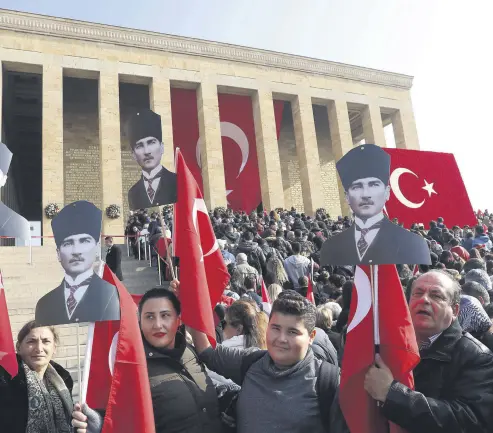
x=79 y=279
x=152 y=173
x=369 y=222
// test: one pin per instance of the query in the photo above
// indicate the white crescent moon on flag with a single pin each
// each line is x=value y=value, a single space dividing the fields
x=2 y=354
x=394 y=184
x=199 y=206
x=236 y=134
x=363 y=287
x=112 y=353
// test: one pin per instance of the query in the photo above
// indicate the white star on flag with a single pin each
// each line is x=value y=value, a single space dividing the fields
x=429 y=188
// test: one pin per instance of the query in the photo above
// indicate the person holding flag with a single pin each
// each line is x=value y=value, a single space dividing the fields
x=39 y=398
x=302 y=390
x=454 y=380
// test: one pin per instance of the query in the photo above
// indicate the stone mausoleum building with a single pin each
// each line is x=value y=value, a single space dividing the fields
x=68 y=85
x=67 y=88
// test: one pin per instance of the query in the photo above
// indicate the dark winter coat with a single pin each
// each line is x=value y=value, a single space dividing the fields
x=13 y=397
x=454 y=388
x=183 y=396
x=114 y=261
x=250 y=246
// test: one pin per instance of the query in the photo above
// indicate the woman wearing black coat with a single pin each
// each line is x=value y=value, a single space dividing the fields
x=39 y=398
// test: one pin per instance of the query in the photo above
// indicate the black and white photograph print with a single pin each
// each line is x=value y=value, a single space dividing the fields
x=82 y=296
x=157 y=185
x=11 y=223
x=372 y=239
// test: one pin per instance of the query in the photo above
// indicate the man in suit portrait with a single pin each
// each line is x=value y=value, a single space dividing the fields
x=113 y=257
x=157 y=185
x=11 y=223
x=372 y=239
x=82 y=296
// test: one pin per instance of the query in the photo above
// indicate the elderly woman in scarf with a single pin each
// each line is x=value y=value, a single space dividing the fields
x=474 y=319
x=39 y=398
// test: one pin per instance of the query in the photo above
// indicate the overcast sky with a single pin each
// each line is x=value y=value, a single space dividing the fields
x=445 y=44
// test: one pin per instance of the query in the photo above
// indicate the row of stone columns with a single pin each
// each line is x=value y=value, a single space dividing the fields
x=210 y=132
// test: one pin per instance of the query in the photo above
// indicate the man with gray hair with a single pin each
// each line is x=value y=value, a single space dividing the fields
x=476 y=290
x=243 y=269
x=454 y=379
x=479 y=276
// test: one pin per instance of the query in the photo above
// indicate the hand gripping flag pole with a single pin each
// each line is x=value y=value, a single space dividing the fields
x=374 y=300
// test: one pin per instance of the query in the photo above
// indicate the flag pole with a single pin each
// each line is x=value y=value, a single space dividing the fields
x=374 y=298
x=87 y=364
x=79 y=373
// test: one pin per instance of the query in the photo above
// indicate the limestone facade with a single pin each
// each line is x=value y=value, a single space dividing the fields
x=333 y=106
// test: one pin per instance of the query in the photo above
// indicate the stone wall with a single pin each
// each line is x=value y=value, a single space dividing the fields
x=290 y=167
x=81 y=160
x=327 y=161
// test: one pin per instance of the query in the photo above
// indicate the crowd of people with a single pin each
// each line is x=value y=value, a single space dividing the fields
x=276 y=367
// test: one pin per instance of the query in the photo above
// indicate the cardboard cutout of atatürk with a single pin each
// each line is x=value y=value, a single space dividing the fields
x=11 y=223
x=157 y=185
x=82 y=296
x=372 y=239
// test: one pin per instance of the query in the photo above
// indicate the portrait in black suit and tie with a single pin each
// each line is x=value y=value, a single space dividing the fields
x=372 y=239
x=157 y=185
x=11 y=223
x=82 y=296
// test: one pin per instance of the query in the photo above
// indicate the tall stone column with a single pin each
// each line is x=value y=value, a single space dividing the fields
x=342 y=140
x=269 y=162
x=160 y=97
x=372 y=125
x=52 y=151
x=307 y=150
x=110 y=149
x=405 y=132
x=211 y=151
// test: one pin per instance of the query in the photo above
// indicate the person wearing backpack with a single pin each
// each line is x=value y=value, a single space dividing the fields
x=286 y=388
x=255 y=256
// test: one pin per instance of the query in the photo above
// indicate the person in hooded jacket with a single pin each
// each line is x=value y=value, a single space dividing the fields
x=481 y=238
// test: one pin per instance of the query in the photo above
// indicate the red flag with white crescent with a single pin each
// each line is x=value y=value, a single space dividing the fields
x=398 y=346
x=129 y=406
x=238 y=143
x=203 y=273
x=8 y=360
x=422 y=184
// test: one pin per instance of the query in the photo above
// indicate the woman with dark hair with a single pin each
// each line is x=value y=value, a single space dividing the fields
x=184 y=398
x=39 y=398
x=244 y=326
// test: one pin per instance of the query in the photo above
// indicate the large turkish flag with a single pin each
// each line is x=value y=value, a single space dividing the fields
x=203 y=274
x=395 y=337
x=425 y=186
x=238 y=143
